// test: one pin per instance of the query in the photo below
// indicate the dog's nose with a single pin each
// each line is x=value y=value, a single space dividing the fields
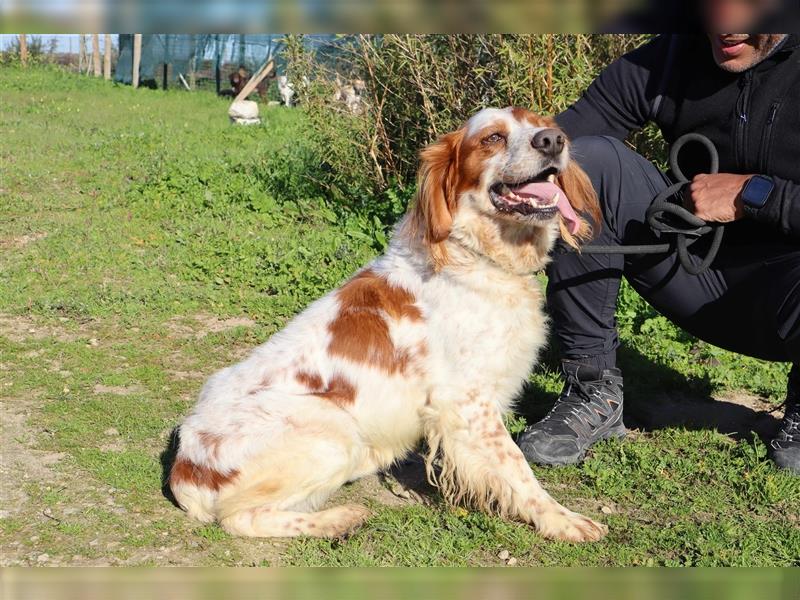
x=550 y=141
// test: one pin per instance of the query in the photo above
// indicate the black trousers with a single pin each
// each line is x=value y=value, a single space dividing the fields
x=748 y=301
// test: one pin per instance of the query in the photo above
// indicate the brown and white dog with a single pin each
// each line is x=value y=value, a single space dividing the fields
x=433 y=340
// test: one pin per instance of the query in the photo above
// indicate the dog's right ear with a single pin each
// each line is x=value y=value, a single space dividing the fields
x=436 y=200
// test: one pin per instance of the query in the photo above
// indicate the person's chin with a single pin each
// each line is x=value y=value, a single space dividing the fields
x=735 y=58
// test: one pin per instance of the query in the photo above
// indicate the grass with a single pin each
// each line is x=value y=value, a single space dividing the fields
x=146 y=242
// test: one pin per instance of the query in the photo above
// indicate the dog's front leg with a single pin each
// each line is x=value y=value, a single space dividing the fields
x=481 y=463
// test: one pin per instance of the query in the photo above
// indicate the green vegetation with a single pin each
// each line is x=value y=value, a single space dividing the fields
x=146 y=242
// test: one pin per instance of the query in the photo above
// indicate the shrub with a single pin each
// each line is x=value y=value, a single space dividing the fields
x=420 y=86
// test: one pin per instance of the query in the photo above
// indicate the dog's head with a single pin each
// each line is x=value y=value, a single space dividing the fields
x=504 y=179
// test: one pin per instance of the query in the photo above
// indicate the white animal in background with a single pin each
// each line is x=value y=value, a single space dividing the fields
x=433 y=340
x=286 y=90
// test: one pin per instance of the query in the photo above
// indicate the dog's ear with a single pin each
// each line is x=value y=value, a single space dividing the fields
x=583 y=198
x=437 y=182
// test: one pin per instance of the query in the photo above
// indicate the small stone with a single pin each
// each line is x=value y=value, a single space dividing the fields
x=31 y=330
x=65 y=390
x=111 y=431
x=503 y=555
x=42 y=558
x=512 y=562
x=34 y=538
x=606 y=510
x=93 y=342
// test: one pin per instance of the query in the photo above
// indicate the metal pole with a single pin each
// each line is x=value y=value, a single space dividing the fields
x=166 y=61
x=218 y=53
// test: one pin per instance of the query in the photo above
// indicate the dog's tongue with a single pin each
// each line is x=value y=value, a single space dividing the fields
x=546 y=191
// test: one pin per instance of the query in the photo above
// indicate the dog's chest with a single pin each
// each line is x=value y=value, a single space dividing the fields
x=491 y=333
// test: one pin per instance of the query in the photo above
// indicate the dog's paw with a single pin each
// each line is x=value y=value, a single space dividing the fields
x=567 y=526
x=342 y=521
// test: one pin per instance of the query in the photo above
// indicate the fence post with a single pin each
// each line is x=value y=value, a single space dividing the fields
x=137 y=58
x=218 y=53
x=96 y=54
x=193 y=64
x=23 y=49
x=107 y=56
x=166 y=61
x=81 y=52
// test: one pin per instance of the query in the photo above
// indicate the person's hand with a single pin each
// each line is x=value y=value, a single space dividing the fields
x=717 y=198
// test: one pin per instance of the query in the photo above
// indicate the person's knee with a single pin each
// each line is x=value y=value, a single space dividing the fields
x=788 y=322
x=598 y=154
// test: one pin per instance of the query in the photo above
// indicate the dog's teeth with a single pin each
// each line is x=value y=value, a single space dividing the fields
x=551 y=178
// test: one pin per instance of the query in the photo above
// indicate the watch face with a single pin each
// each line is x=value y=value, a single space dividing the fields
x=757 y=191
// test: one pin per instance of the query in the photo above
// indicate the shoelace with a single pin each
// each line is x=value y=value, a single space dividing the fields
x=570 y=403
x=790 y=428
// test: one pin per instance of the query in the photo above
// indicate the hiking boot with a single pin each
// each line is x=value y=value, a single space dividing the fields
x=785 y=446
x=588 y=410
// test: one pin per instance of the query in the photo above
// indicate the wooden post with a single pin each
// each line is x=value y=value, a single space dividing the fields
x=81 y=52
x=193 y=64
x=254 y=81
x=96 y=54
x=137 y=58
x=107 y=48
x=23 y=49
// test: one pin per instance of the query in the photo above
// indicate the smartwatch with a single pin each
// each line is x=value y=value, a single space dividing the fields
x=757 y=191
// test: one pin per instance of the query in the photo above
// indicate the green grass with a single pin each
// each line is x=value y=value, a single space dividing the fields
x=151 y=219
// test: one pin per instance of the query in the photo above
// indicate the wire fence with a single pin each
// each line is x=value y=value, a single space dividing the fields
x=193 y=61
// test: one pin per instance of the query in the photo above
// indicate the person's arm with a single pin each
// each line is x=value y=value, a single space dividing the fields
x=717 y=198
x=622 y=97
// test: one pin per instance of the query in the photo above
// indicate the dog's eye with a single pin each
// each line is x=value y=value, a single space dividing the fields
x=494 y=138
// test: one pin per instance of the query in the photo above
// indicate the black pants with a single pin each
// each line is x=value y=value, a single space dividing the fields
x=748 y=301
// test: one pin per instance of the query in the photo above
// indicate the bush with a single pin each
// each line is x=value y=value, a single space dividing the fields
x=420 y=86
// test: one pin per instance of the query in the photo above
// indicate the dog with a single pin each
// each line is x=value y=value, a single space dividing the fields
x=286 y=90
x=432 y=340
x=350 y=94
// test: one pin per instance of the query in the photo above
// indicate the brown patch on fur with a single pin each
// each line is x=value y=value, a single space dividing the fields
x=339 y=391
x=360 y=332
x=211 y=441
x=583 y=198
x=437 y=180
x=185 y=471
x=311 y=380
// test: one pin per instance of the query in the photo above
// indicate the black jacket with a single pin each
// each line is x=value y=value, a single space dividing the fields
x=753 y=118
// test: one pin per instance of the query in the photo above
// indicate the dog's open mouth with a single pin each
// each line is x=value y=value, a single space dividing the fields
x=538 y=197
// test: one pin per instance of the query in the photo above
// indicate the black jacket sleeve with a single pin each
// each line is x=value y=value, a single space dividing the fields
x=782 y=210
x=621 y=98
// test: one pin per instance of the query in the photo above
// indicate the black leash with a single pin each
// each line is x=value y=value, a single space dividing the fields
x=667 y=217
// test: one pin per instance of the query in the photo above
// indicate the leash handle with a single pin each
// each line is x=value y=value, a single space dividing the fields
x=678 y=146
x=662 y=214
